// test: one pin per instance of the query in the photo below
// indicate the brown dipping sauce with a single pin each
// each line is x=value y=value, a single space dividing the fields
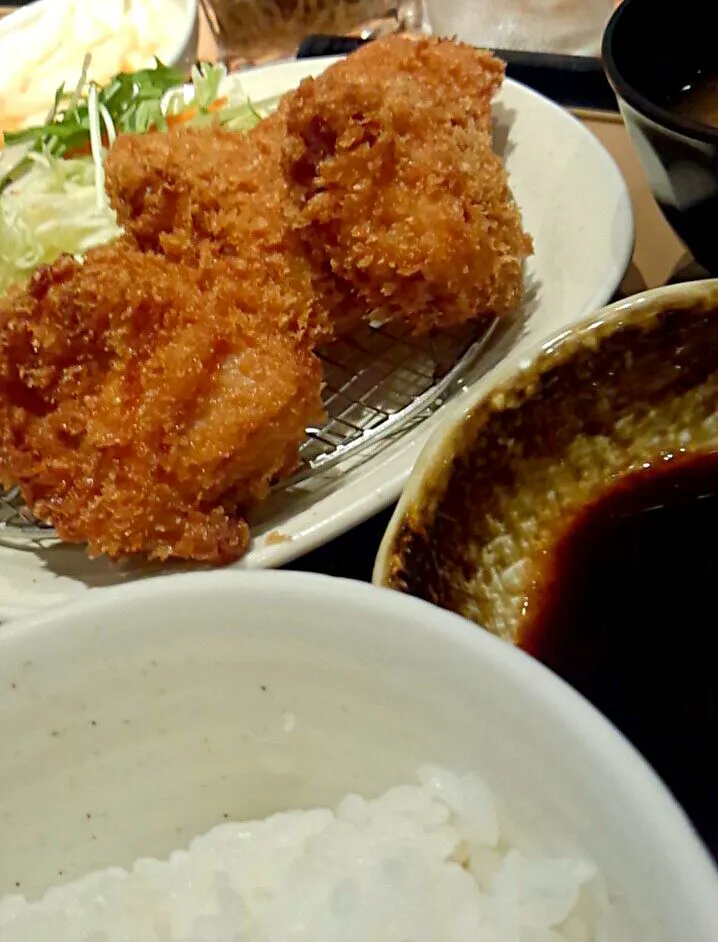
x=628 y=614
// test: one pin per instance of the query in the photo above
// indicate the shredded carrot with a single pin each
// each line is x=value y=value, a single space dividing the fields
x=84 y=150
x=181 y=118
x=184 y=116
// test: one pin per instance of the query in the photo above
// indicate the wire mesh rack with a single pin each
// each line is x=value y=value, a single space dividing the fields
x=379 y=381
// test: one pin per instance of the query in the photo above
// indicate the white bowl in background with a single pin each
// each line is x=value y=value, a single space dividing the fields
x=553 y=26
x=184 y=54
x=38 y=19
x=183 y=50
x=138 y=716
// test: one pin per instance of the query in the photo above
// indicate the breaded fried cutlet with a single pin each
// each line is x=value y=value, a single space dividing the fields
x=399 y=198
x=206 y=182
x=151 y=395
x=142 y=409
x=208 y=195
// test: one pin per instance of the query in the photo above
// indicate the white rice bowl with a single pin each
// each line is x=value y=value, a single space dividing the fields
x=140 y=717
x=423 y=862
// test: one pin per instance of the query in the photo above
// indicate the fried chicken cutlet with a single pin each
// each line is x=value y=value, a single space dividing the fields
x=217 y=199
x=206 y=182
x=151 y=395
x=400 y=198
x=143 y=409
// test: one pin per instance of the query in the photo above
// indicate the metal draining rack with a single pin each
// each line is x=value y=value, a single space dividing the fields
x=378 y=381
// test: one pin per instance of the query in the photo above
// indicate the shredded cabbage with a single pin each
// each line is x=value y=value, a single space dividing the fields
x=50 y=210
x=207 y=86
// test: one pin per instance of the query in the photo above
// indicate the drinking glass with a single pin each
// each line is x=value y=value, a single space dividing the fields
x=572 y=27
x=250 y=32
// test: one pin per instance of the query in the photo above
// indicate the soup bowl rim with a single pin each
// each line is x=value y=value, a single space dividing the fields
x=647 y=108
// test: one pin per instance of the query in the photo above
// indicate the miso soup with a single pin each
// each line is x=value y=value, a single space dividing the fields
x=699 y=101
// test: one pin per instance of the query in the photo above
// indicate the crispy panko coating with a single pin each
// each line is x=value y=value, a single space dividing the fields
x=208 y=195
x=151 y=395
x=142 y=409
x=208 y=182
x=400 y=198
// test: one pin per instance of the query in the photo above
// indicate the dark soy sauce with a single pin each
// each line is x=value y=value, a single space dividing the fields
x=628 y=614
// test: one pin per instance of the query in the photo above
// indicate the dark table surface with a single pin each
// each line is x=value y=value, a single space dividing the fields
x=350 y=556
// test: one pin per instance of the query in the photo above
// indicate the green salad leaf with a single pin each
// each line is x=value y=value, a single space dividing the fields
x=133 y=101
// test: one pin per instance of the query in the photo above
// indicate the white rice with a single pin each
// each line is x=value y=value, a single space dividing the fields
x=419 y=864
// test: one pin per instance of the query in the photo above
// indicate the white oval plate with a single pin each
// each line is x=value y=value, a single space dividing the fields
x=577 y=207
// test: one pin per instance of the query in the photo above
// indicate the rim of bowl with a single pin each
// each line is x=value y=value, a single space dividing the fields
x=661 y=116
x=191 y=23
x=440 y=450
x=577 y=718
